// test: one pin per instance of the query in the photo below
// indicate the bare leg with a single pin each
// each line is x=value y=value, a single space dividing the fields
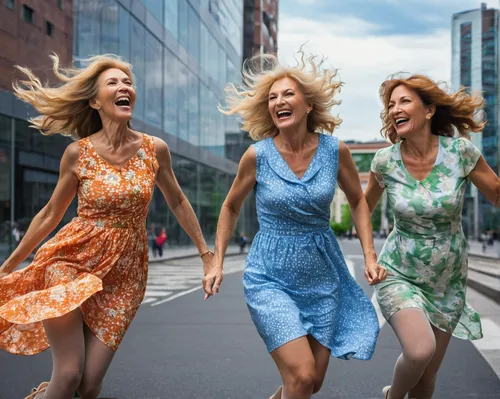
x=321 y=359
x=425 y=387
x=98 y=357
x=295 y=361
x=418 y=343
x=67 y=344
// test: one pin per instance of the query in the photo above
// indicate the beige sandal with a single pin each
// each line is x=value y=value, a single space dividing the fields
x=385 y=391
x=277 y=394
x=35 y=391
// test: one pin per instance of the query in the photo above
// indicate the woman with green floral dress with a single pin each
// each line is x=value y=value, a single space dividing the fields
x=425 y=173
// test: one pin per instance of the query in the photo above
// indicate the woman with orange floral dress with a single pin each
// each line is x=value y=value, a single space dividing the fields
x=84 y=286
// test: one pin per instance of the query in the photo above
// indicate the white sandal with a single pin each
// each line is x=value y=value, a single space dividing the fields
x=385 y=391
x=277 y=394
x=35 y=391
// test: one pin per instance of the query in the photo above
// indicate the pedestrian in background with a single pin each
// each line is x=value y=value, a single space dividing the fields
x=425 y=173
x=159 y=242
x=302 y=299
x=84 y=286
x=243 y=241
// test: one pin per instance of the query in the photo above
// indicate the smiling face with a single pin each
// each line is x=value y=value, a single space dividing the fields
x=115 y=98
x=407 y=111
x=287 y=105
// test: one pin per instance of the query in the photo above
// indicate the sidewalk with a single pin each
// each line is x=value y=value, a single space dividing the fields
x=493 y=251
x=169 y=253
x=172 y=253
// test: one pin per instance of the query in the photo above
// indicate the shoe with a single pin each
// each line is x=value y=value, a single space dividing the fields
x=35 y=391
x=385 y=391
x=277 y=394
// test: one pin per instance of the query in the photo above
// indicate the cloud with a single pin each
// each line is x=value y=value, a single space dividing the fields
x=364 y=60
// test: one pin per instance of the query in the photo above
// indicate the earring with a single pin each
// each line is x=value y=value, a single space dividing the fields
x=428 y=117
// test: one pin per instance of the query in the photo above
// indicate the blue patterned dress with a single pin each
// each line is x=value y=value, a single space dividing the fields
x=296 y=279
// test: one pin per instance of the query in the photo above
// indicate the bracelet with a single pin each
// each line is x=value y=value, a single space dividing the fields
x=205 y=253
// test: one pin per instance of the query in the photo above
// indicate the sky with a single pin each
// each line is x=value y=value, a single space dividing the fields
x=367 y=41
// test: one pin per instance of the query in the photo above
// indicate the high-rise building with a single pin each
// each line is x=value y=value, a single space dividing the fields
x=261 y=27
x=475 y=65
x=183 y=52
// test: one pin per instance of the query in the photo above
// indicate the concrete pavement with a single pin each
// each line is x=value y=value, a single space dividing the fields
x=187 y=348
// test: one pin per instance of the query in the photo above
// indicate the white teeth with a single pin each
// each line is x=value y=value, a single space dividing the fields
x=280 y=113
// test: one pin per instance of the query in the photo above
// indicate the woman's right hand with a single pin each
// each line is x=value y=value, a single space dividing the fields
x=213 y=278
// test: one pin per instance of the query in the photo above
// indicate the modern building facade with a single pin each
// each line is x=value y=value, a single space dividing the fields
x=183 y=53
x=475 y=66
x=261 y=27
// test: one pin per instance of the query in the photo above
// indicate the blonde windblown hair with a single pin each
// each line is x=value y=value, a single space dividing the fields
x=250 y=101
x=65 y=109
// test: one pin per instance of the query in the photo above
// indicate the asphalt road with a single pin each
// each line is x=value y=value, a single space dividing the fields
x=182 y=347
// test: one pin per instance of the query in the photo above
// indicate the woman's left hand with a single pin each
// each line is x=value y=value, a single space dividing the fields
x=374 y=273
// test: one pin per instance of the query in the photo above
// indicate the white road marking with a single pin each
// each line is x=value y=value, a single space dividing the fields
x=169 y=281
x=489 y=345
x=350 y=265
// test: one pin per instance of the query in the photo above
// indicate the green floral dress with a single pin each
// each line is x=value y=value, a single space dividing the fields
x=426 y=253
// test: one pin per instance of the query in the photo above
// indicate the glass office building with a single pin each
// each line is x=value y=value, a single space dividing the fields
x=183 y=53
x=475 y=66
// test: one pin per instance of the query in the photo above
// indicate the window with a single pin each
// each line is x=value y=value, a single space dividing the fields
x=183 y=24
x=60 y=4
x=124 y=33
x=171 y=18
x=10 y=4
x=153 y=81
x=49 y=28
x=170 y=100
x=137 y=56
x=28 y=14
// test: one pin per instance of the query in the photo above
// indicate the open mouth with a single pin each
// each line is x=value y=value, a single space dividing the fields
x=123 y=102
x=401 y=121
x=284 y=114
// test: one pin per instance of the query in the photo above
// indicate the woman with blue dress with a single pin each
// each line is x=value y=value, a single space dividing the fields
x=425 y=173
x=302 y=299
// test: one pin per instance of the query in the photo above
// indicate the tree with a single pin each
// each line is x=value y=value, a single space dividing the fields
x=345 y=221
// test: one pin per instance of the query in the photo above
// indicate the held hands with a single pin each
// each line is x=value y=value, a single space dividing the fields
x=374 y=273
x=213 y=275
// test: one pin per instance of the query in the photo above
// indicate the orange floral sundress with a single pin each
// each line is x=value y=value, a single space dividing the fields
x=98 y=261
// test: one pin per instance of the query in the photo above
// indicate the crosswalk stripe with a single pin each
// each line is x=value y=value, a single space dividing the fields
x=168 y=281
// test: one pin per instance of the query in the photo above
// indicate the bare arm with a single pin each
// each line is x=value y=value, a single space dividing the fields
x=486 y=181
x=243 y=183
x=373 y=192
x=348 y=180
x=51 y=215
x=176 y=200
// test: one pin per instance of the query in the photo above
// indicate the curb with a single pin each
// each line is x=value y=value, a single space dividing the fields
x=489 y=274
x=187 y=256
x=485 y=257
x=485 y=290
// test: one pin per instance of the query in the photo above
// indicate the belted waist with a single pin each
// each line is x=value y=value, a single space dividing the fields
x=113 y=223
x=447 y=231
x=294 y=232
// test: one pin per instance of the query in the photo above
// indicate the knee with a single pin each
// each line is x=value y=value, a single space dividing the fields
x=89 y=390
x=421 y=353
x=303 y=381
x=317 y=386
x=69 y=378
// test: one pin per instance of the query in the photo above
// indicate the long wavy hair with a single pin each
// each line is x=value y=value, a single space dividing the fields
x=65 y=109
x=250 y=100
x=457 y=110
